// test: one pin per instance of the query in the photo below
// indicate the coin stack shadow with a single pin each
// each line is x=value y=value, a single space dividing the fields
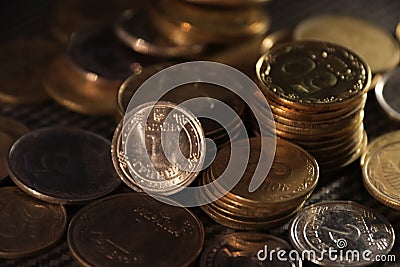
x=291 y=180
x=317 y=98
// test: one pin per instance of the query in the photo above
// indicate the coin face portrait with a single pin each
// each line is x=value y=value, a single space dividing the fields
x=164 y=145
x=313 y=73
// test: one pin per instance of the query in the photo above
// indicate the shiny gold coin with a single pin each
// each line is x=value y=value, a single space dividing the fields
x=28 y=226
x=381 y=173
x=294 y=173
x=10 y=131
x=74 y=15
x=23 y=63
x=377 y=47
x=310 y=75
x=70 y=88
x=187 y=24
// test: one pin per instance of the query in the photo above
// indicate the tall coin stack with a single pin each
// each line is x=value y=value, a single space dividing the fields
x=317 y=93
x=291 y=180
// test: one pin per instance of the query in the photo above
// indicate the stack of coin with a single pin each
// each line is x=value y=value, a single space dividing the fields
x=189 y=91
x=380 y=167
x=317 y=93
x=291 y=180
x=158 y=147
x=87 y=77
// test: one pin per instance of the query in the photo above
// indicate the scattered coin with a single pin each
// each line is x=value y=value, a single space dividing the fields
x=381 y=169
x=153 y=233
x=243 y=249
x=387 y=93
x=27 y=225
x=379 y=49
x=62 y=165
x=23 y=63
x=335 y=229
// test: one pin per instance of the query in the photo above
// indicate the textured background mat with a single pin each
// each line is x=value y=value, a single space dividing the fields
x=27 y=18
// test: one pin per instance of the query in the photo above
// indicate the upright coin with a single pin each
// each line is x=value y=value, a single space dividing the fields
x=335 y=229
x=63 y=165
x=313 y=75
x=23 y=63
x=387 y=92
x=10 y=131
x=164 y=146
x=134 y=229
x=379 y=49
x=247 y=249
x=27 y=225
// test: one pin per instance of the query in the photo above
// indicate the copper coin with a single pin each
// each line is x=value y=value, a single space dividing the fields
x=63 y=165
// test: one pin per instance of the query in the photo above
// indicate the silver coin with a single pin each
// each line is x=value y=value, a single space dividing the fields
x=387 y=92
x=247 y=249
x=135 y=29
x=63 y=165
x=341 y=233
x=164 y=147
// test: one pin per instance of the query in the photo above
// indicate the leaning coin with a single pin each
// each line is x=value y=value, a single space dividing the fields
x=27 y=225
x=63 y=165
x=335 y=232
x=247 y=249
x=23 y=63
x=136 y=230
x=10 y=130
x=387 y=93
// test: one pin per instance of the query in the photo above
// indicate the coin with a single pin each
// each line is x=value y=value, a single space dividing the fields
x=341 y=227
x=189 y=24
x=398 y=31
x=242 y=249
x=379 y=49
x=134 y=229
x=62 y=165
x=381 y=174
x=135 y=29
x=23 y=63
x=73 y=16
x=27 y=225
x=275 y=38
x=309 y=74
x=386 y=91
x=10 y=131
x=164 y=147
x=228 y=3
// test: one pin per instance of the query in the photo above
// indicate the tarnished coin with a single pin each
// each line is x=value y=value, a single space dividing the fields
x=23 y=63
x=377 y=47
x=136 y=230
x=387 y=92
x=135 y=29
x=381 y=169
x=10 y=131
x=164 y=147
x=63 y=165
x=313 y=75
x=247 y=249
x=73 y=16
x=337 y=231
x=27 y=225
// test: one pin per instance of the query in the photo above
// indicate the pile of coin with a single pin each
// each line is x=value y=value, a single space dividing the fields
x=380 y=168
x=291 y=180
x=176 y=142
x=317 y=93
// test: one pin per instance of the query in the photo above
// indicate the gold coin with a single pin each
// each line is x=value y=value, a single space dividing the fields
x=311 y=75
x=377 y=47
x=398 y=31
x=189 y=24
x=381 y=173
x=10 y=131
x=275 y=38
x=23 y=63
x=294 y=173
x=28 y=226
x=70 y=88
